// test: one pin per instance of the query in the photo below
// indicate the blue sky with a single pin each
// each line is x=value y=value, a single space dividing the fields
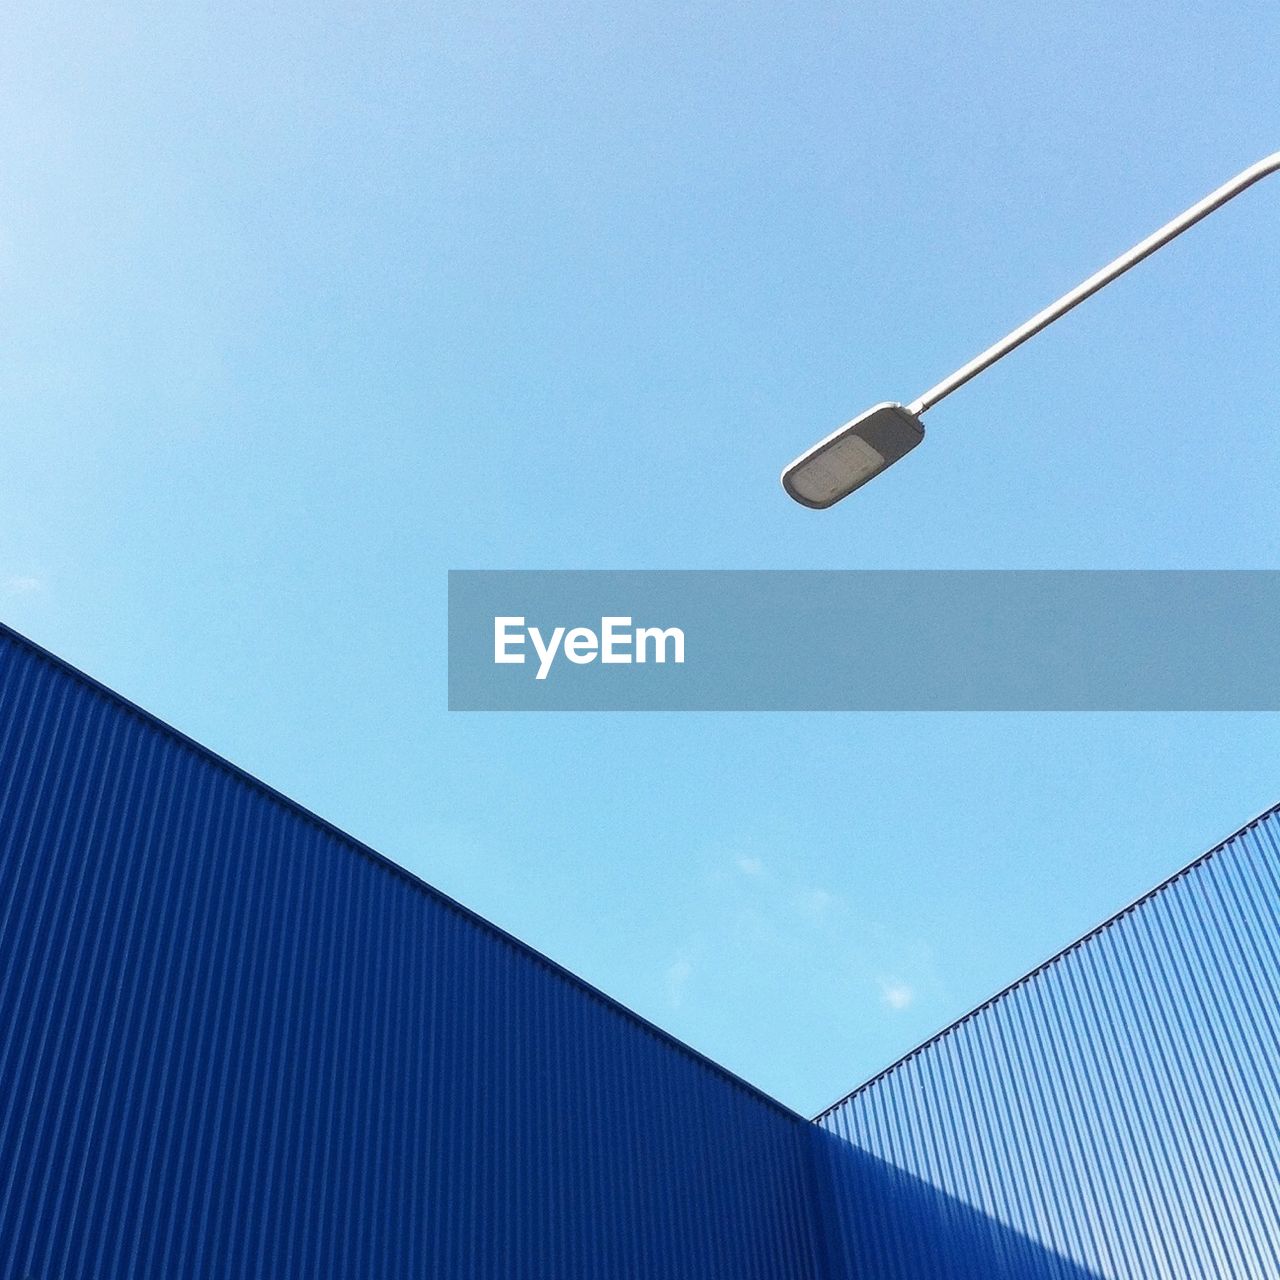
x=306 y=305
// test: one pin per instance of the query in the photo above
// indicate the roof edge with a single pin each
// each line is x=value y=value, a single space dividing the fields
x=394 y=868
x=1070 y=948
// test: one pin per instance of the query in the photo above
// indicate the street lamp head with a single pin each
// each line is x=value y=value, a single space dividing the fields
x=848 y=458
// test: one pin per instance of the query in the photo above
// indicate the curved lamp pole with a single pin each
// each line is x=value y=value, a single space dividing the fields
x=863 y=448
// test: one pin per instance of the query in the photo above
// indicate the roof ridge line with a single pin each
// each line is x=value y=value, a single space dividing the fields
x=403 y=873
x=1061 y=954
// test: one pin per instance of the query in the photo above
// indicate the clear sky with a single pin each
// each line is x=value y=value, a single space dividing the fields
x=305 y=305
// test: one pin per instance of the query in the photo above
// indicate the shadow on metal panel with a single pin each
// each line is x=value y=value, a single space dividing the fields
x=886 y=1224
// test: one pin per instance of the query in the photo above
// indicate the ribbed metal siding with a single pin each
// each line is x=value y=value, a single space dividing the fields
x=1116 y=1114
x=235 y=1043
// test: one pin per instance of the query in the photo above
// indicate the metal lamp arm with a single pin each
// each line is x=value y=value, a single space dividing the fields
x=1098 y=280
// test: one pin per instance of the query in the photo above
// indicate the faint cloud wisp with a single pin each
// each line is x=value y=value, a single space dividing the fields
x=897 y=995
x=816 y=903
x=678 y=976
x=22 y=585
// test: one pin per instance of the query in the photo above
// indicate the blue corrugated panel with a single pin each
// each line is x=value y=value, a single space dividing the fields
x=234 y=1042
x=1114 y=1114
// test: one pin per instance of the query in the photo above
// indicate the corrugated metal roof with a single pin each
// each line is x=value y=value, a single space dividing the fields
x=1116 y=1113
x=394 y=868
x=229 y=1047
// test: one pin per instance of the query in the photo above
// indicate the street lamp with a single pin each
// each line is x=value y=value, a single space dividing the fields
x=863 y=448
